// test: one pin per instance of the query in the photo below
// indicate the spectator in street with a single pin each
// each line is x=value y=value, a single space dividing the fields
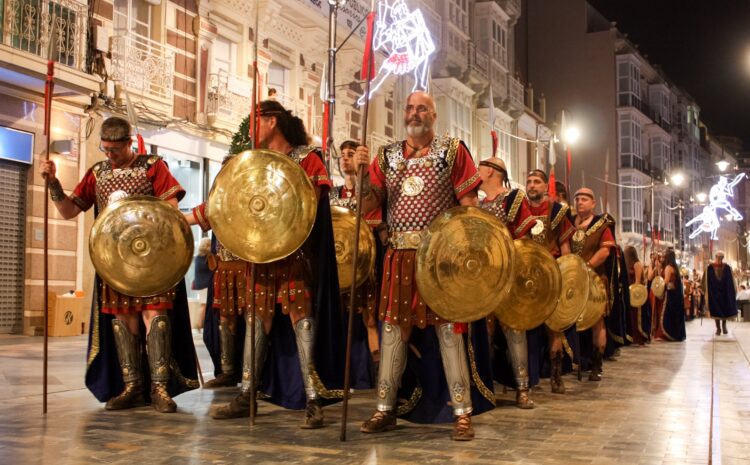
x=203 y=275
x=718 y=284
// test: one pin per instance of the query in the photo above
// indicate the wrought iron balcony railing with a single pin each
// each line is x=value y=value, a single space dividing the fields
x=143 y=66
x=228 y=98
x=30 y=25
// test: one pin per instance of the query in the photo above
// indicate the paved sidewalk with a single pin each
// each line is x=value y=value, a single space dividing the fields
x=665 y=403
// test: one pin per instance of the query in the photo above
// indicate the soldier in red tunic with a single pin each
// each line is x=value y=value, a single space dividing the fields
x=418 y=178
x=593 y=240
x=282 y=286
x=552 y=229
x=123 y=174
x=512 y=208
x=366 y=298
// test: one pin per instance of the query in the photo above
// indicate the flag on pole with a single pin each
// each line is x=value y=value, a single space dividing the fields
x=133 y=118
x=368 y=59
x=551 y=187
x=324 y=93
x=491 y=117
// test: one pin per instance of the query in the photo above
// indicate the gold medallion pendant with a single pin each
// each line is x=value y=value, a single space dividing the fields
x=412 y=186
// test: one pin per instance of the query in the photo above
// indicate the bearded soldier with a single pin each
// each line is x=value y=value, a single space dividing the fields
x=419 y=178
x=553 y=229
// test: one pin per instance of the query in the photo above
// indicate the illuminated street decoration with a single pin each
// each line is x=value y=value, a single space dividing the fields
x=404 y=37
x=718 y=199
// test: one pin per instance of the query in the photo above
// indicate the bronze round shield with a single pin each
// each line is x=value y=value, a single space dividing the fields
x=574 y=292
x=596 y=304
x=535 y=287
x=464 y=264
x=638 y=295
x=141 y=246
x=344 y=223
x=658 y=286
x=262 y=206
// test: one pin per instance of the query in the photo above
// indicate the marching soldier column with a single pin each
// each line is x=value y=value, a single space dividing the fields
x=447 y=267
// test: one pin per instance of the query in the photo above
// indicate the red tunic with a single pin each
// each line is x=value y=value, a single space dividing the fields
x=417 y=190
x=284 y=281
x=147 y=175
x=513 y=210
x=560 y=228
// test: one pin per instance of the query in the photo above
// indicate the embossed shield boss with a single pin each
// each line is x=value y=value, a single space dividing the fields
x=262 y=206
x=596 y=304
x=658 y=286
x=464 y=264
x=535 y=288
x=638 y=295
x=141 y=246
x=573 y=294
x=344 y=222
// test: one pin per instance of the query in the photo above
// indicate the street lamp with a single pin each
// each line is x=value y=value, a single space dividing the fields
x=722 y=165
x=677 y=179
x=701 y=196
x=571 y=135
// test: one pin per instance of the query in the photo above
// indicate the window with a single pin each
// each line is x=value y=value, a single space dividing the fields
x=661 y=153
x=500 y=43
x=628 y=84
x=277 y=78
x=132 y=16
x=630 y=143
x=631 y=204
x=224 y=55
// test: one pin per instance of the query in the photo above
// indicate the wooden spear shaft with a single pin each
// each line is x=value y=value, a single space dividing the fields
x=355 y=255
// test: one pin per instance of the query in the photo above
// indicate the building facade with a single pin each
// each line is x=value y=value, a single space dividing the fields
x=186 y=68
x=640 y=131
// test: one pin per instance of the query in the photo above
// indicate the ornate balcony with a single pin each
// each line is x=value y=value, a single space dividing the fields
x=29 y=25
x=228 y=99
x=143 y=67
x=515 y=95
x=478 y=65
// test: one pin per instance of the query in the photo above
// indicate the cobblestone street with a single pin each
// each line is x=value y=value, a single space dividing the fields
x=665 y=403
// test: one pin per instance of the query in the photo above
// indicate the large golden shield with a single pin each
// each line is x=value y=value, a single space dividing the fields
x=574 y=292
x=658 y=286
x=535 y=288
x=344 y=222
x=596 y=305
x=262 y=206
x=141 y=246
x=464 y=264
x=638 y=294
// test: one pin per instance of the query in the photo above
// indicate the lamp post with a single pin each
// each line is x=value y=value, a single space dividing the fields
x=570 y=134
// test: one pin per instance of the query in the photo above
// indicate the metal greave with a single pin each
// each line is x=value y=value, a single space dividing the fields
x=261 y=341
x=128 y=352
x=158 y=347
x=456 y=368
x=519 y=358
x=392 y=365
x=304 y=330
x=226 y=341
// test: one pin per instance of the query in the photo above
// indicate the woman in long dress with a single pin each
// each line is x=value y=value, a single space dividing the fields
x=638 y=315
x=671 y=324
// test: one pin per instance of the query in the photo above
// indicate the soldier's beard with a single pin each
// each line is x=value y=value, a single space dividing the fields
x=417 y=131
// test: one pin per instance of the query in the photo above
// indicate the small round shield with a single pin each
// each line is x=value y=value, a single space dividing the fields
x=141 y=246
x=344 y=222
x=464 y=264
x=638 y=295
x=535 y=288
x=573 y=294
x=596 y=305
x=262 y=206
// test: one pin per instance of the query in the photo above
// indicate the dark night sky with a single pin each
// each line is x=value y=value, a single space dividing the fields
x=703 y=46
